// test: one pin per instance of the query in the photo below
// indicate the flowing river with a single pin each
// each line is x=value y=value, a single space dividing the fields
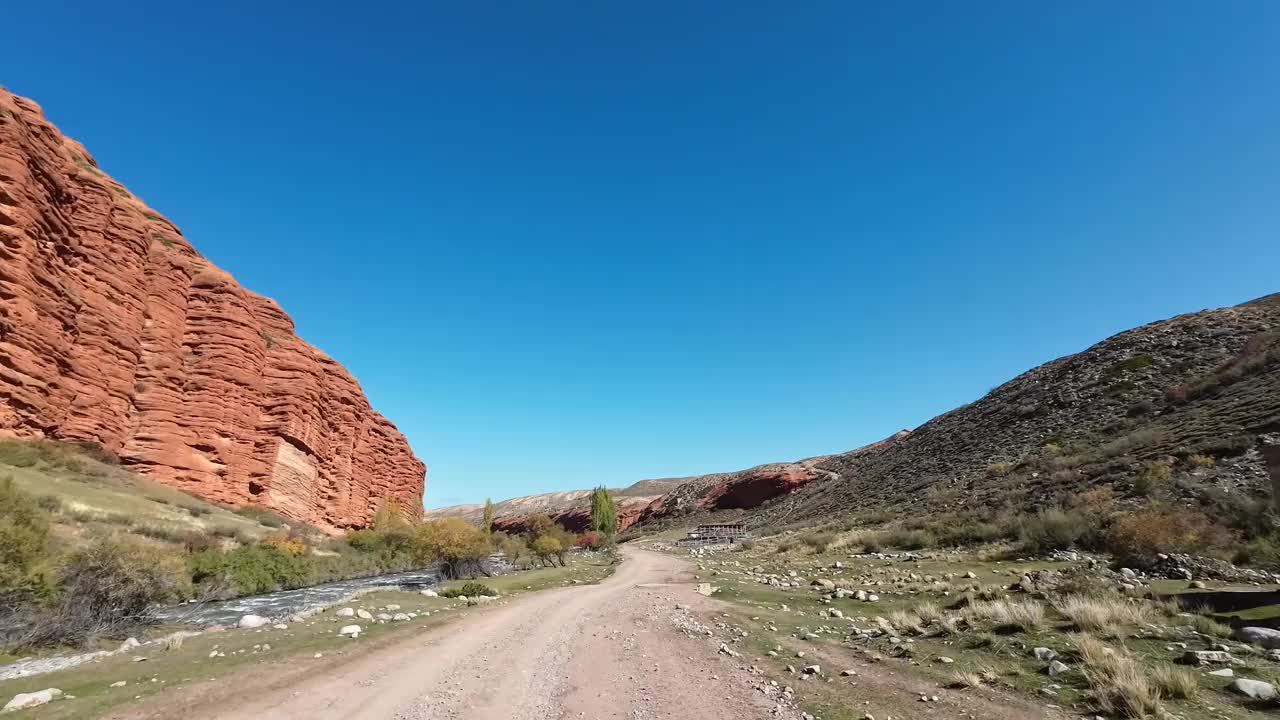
x=282 y=604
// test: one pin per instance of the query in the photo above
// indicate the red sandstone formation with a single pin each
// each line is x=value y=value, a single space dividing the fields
x=114 y=329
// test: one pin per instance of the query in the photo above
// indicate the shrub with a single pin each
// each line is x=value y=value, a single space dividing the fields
x=106 y=589
x=999 y=469
x=547 y=548
x=1135 y=538
x=969 y=533
x=260 y=515
x=817 y=541
x=1201 y=461
x=289 y=542
x=49 y=503
x=1050 y=530
x=164 y=533
x=590 y=540
x=247 y=570
x=194 y=541
x=1153 y=479
x=470 y=589
x=908 y=539
x=457 y=545
x=24 y=540
x=18 y=453
x=511 y=546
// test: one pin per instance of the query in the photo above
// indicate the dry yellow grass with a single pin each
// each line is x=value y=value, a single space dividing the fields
x=1104 y=614
x=1120 y=684
x=1020 y=614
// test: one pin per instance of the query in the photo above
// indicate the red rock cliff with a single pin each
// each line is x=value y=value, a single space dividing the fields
x=114 y=329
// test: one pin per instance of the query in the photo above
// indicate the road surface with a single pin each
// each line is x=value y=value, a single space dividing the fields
x=613 y=651
x=594 y=651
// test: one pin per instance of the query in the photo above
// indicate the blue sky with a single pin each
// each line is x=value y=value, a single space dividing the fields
x=566 y=243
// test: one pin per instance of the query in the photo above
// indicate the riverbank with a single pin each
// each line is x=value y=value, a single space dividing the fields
x=93 y=689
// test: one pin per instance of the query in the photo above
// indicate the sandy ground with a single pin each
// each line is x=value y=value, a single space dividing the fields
x=597 y=652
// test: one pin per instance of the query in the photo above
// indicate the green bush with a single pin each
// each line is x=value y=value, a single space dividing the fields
x=470 y=589
x=248 y=570
x=24 y=548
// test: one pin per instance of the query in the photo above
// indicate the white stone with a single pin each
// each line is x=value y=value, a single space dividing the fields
x=22 y=701
x=252 y=621
x=350 y=630
x=430 y=593
x=346 y=612
x=364 y=614
x=1256 y=689
x=1261 y=636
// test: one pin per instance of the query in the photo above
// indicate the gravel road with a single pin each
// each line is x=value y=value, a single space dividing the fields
x=594 y=651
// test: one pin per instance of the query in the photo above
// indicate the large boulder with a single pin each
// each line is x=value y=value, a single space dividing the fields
x=1254 y=689
x=1260 y=636
x=22 y=701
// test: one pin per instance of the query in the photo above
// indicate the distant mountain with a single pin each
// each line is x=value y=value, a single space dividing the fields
x=562 y=505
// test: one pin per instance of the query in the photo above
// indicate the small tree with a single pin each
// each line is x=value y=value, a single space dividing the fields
x=488 y=517
x=456 y=544
x=604 y=513
x=548 y=549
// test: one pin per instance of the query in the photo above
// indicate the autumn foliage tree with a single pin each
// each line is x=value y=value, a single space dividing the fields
x=456 y=544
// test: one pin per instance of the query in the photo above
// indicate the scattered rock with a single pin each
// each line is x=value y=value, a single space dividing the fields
x=1262 y=637
x=1255 y=689
x=1057 y=667
x=1224 y=672
x=350 y=630
x=346 y=612
x=22 y=701
x=364 y=614
x=252 y=621
x=1044 y=654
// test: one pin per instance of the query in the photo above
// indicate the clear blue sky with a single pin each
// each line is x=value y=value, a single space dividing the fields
x=564 y=243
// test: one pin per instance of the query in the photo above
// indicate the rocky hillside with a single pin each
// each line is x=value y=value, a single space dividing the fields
x=1205 y=384
x=115 y=330
x=571 y=508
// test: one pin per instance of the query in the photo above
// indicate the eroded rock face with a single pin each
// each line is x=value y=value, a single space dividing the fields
x=114 y=329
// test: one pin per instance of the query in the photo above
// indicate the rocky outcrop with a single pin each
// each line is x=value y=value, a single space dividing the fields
x=114 y=329
x=576 y=519
x=571 y=508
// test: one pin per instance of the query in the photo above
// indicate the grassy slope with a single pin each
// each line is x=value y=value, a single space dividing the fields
x=760 y=612
x=167 y=670
x=95 y=494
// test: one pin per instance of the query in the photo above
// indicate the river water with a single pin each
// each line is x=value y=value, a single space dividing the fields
x=282 y=604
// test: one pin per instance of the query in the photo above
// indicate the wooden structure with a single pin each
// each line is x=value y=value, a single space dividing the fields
x=722 y=534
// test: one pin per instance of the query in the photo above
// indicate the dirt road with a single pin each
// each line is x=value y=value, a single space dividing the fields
x=612 y=651
x=598 y=651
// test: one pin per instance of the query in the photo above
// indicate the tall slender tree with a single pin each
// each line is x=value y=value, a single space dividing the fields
x=488 y=516
x=604 y=513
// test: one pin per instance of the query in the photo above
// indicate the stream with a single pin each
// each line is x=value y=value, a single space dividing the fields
x=282 y=604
